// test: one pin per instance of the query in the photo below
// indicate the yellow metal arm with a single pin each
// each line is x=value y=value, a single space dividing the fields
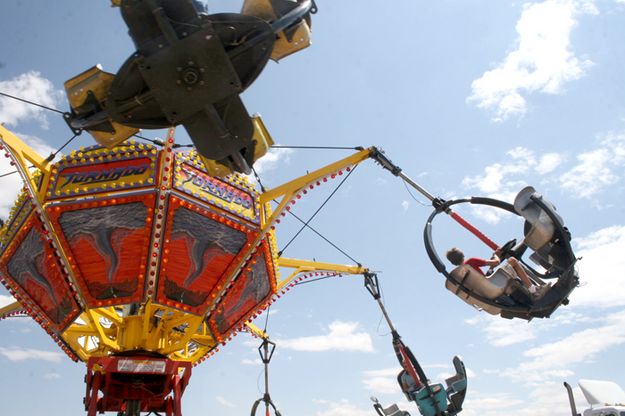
x=304 y=266
x=298 y=183
x=256 y=331
x=26 y=157
x=15 y=306
x=288 y=190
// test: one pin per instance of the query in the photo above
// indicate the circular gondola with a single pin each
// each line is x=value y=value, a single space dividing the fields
x=499 y=293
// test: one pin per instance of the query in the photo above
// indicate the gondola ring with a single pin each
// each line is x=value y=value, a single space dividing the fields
x=544 y=235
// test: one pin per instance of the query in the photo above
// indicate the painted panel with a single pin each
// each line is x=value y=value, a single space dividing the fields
x=199 y=250
x=250 y=290
x=19 y=213
x=32 y=265
x=108 y=247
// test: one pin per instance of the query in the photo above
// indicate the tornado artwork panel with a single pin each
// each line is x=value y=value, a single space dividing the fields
x=250 y=289
x=109 y=245
x=34 y=267
x=200 y=250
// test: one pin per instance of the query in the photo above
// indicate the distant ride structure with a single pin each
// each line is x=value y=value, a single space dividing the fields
x=605 y=398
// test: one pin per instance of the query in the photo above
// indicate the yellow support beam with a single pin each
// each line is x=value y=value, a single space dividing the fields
x=26 y=157
x=304 y=266
x=256 y=331
x=12 y=307
x=295 y=185
x=194 y=323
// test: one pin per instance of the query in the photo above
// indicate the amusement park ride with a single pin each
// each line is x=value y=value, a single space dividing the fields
x=142 y=260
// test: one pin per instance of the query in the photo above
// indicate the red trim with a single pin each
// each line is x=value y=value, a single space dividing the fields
x=490 y=243
x=407 y=365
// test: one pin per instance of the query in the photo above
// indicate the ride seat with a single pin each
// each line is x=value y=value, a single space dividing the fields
x=542 y=227
x=457 y=387
x=393 y=410
x=492 y=287
x=489 y=287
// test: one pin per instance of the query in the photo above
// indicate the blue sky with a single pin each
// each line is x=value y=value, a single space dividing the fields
x=469 y=98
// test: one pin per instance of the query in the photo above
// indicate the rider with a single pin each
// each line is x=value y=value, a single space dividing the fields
x=512 y=266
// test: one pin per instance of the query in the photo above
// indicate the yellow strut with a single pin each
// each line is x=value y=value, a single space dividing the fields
x=305 y=266
x=12 y=307
x=26 y=157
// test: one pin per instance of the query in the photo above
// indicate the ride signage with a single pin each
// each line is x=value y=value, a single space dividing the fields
x=102 y=177
x=216 y=191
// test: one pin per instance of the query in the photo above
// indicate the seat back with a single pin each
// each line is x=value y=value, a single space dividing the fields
x=475 y=282
x=542 y=227
x=457 y=387
x=393 y=410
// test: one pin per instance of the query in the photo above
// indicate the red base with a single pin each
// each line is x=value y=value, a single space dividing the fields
x=135 y=384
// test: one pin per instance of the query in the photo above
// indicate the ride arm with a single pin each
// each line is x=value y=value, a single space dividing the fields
x=10 y=308
x=306 y=266
x=25 y=157
x=432 y=399
x=254 y=330
x=285 y=193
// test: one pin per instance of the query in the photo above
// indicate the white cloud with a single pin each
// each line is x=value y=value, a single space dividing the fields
x=29 y=86
x=549 y=162
x=342 y=336
x=496 y=176
x=342 y=408
x=23 y=354
x=501 y=180
x=405 y=205
x=52 y=376
x=385 y=372
x=542 y=59
x=381 y=385
x=382 y=381
x=224 y=402
x=554 y=359
x=247 y=361
x=596 y=169
x=11 y=185
x=502 y=333
x=272 y=159
x=601 y=268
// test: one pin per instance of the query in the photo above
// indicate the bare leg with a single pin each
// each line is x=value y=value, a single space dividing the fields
x=520 y=272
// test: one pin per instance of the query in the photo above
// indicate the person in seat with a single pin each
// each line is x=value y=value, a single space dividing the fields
x=512 y=267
